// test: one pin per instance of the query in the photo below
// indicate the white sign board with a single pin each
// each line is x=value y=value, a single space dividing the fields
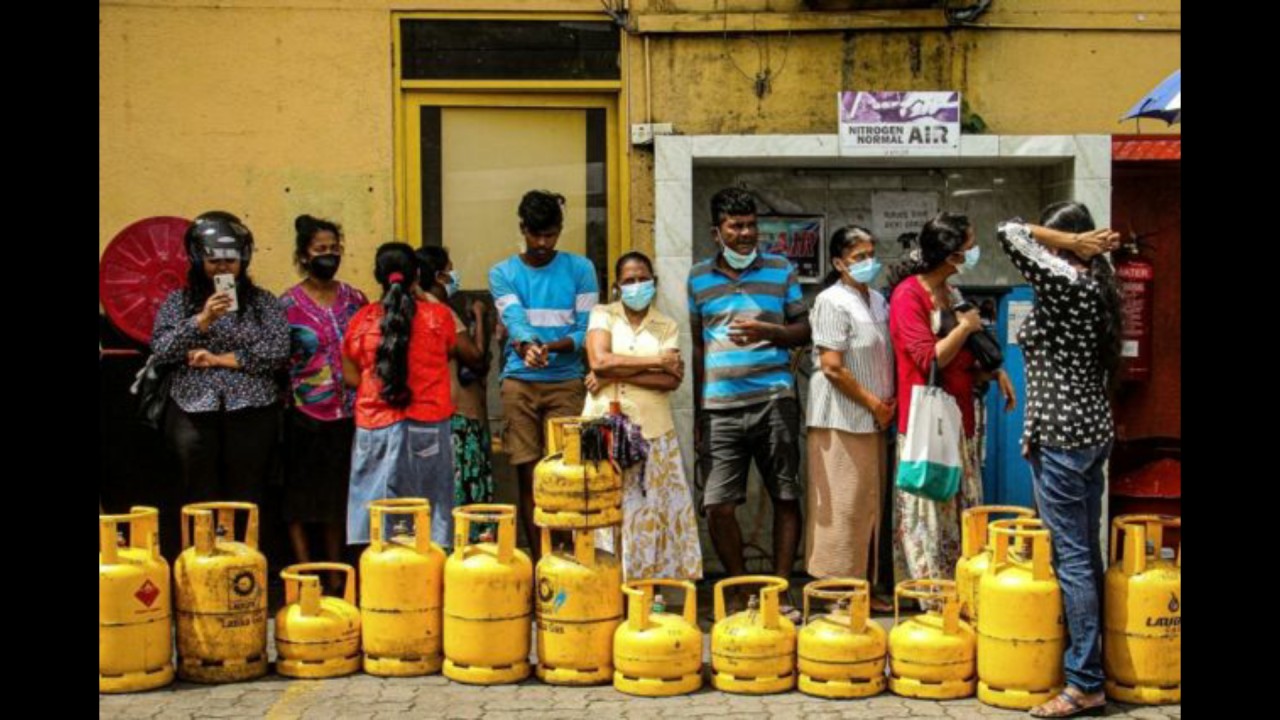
x=884 y=124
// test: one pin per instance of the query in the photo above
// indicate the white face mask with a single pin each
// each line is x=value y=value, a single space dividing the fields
x=864 y=272
x=971 y=257
x=736 y=260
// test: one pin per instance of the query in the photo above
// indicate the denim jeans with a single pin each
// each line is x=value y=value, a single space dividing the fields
x=1069 y=486
x=405 y=459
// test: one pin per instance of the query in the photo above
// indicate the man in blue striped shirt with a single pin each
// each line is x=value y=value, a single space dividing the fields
x=745 y=311
x=545 y=298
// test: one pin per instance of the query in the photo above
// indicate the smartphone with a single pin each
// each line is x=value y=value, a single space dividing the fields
x=226 y=282
x=963 y=306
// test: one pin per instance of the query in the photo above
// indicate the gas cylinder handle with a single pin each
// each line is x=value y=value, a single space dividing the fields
x=306 y=585
x=226 y=518
x=931 y=589
x=1115 y=541
x=419 y=508
x=107 y=540
x=506 y=538
x=198 y=522
x=857 y=592
x=571 y=442
x=1136 y=530
x=1004 y=531
x=1000 y=546
x=1133 y=539
x=144 y=531
x=1135 y=551
x=768 y=595
x=375 y=528
x=642 y=590
x=503 y=515
x=951 y=613
x=974 y=521
x=639 y=597
x=422 y=527
x=690 y=599
x=1041 y=569
x=584 y=547
x=305 y=574
x=555 y=433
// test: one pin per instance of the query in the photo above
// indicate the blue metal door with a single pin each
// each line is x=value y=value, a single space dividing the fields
x=1006 y=476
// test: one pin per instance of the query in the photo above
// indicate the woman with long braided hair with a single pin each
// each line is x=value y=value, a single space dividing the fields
x=396 y=354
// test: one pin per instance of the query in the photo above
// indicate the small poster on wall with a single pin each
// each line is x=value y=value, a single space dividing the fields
x=895 y=213
x=799 y=238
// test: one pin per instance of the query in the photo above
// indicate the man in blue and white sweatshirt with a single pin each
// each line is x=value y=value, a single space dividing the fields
x=545 y=298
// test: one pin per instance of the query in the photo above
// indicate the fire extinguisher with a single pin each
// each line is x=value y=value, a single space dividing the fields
x=1135 y=276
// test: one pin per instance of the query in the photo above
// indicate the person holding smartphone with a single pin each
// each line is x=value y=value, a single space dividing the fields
x=222 y=419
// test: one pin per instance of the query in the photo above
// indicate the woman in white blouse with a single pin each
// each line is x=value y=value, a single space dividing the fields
x=851 y=402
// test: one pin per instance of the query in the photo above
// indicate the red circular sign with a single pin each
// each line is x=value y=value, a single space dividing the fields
x=138 y=270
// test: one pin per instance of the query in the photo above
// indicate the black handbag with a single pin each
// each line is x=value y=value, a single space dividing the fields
x=151 y=385
x=984 y=347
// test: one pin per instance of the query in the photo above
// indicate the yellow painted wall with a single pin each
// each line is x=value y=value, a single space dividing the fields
x=1079 y=75
x=264 y=112
x=269 y=108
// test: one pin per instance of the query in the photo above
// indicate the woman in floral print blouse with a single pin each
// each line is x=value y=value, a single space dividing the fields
x=226 y=347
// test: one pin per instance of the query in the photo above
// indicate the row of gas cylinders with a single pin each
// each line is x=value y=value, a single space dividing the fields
x=470 y=615
x=1010 y=652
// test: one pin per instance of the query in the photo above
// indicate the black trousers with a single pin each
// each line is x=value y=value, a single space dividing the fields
x=223 y=455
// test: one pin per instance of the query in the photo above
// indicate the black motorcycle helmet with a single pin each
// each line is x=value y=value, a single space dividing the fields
x=218 y=234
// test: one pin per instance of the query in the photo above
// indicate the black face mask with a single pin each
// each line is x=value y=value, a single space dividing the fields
x=324 y=267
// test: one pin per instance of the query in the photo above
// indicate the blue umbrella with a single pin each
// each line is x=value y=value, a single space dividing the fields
x=1164 y=102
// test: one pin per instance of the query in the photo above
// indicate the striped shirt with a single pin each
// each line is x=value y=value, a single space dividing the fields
x=546 y=303
x=741 y=375
x=842 y=320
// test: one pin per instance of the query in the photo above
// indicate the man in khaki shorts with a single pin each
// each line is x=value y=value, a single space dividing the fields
x=545 y=299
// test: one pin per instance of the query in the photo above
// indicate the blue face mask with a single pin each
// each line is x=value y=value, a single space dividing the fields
x=637 y=296
x=866 y=271
x=970 y=259
x=454 y=284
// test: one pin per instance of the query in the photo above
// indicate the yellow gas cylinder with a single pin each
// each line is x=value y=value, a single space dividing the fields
x=657 y=653
x=488 y=601
x=1021 y=636
x=754 y=651
x=317 y=636
x=135 y=639
x=401 y=592
x=1142 y=652
x=569 y=492
x=841 y=654
x=931 y=655
x=221 y=591
x=975 y=554
x=579 y=608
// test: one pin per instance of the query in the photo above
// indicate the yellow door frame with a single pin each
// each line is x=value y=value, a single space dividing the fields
x=609 y=95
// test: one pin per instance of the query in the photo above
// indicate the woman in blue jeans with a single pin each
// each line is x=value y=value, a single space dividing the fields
x=1071 y=341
